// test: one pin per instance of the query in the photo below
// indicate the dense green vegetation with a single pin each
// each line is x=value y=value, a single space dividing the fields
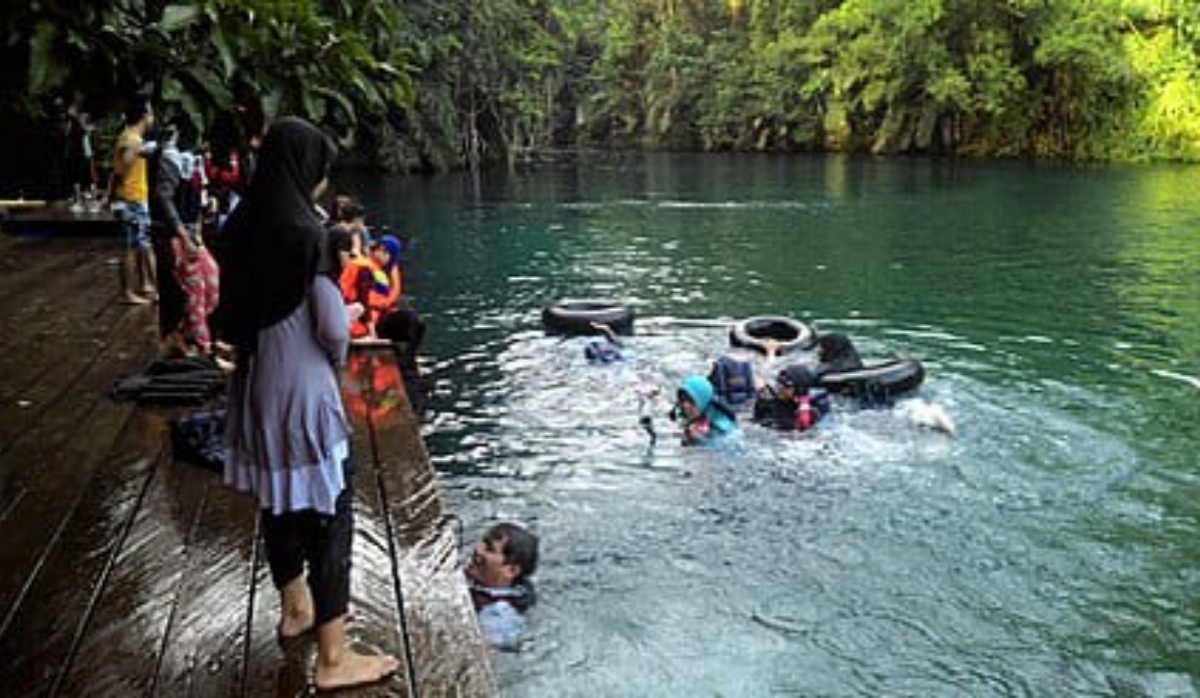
x=464 y=82
x=1076 y=79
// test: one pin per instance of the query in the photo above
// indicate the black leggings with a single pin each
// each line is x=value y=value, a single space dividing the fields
x=320 y=540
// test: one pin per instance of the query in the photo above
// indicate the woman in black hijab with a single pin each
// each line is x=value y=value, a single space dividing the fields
x=287 y=437
x=272 y=241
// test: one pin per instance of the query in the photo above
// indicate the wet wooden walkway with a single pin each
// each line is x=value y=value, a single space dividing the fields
x=125 y=573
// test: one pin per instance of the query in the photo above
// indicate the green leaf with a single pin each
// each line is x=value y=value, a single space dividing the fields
x=171 y=90
x=314 y=109
x=173 y=93
x=216 y=90
x=176 y=17
x=41 y=57
x=341 y=100
x=220 y=41
x=269 y=101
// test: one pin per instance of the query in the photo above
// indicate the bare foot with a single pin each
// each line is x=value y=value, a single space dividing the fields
x=355 y=669
x=134 y=299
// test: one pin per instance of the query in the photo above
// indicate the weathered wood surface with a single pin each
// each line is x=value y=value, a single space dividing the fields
x=57 y=218
x=123 y=572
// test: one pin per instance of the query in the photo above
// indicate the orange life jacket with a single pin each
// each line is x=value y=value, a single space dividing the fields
x=361 y=281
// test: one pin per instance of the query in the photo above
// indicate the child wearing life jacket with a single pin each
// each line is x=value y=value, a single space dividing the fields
x=794 y=403
x=364 y=283
x=393 y=319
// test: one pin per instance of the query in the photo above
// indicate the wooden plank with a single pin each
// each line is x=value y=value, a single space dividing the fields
x=272 y=668
x=180 y=593
x=438 y=618
x=377 y=619
x=41 y=633
x=138 y=624
x=41 y=280
x=50 y=371
x=48 y=466
x=204 y=647
x=57 y=218
x=56 y=333
x=26 y=263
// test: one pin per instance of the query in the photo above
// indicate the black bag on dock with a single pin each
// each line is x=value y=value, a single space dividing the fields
x=199 y=439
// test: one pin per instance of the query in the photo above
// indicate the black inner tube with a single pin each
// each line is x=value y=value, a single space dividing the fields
x=577 y=316
x=756 y=332
x=779 y=330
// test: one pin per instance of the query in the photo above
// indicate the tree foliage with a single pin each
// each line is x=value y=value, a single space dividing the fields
x=334 y=62
x=463 y=82
x=1075 y=79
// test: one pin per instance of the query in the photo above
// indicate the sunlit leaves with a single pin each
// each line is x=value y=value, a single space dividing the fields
x=176 y=17
x=1171 y=109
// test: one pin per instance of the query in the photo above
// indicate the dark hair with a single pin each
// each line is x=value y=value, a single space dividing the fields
x=836 y=352
x=832 y=345
x=520 y=547
x=336 y=241
x=798 y=377
x=136 y=111
x=351 y=210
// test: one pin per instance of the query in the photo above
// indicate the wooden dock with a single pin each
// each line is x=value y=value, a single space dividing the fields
x=126 y=573
x=57 y=218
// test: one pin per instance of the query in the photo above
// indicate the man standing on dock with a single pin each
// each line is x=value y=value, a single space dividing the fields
x=131 y=202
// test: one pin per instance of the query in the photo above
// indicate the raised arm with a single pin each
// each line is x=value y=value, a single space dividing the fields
x=607 y=332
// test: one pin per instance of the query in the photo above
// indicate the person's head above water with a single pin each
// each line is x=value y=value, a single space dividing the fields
x=702 y=414
x=694 y=396
x=835 y=349
x=507 y=556
x=794 y=380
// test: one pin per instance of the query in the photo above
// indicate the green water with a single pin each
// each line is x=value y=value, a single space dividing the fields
x=1050 y=548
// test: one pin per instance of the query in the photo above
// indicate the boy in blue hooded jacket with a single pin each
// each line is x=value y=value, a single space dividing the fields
x=704 y=416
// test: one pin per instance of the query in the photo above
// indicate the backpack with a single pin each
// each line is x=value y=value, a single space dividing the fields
x=733 y=380
x=199 y=439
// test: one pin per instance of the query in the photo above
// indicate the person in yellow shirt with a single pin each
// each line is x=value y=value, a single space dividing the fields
x=131 y=203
